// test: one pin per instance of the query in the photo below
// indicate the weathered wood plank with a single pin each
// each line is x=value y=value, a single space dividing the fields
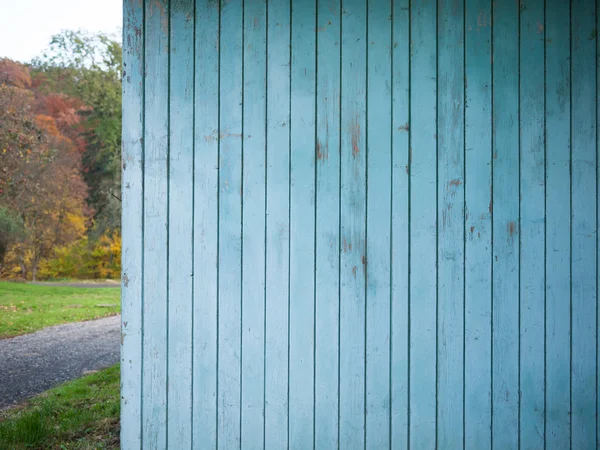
x=532 y=234
x=156 y=177
x=584 y=301
x=253 y=264
x=505 y=219
x=450 y=223
x=206 y=234
x=302 y=225
x=558 y=211
x=278 y=191
x=400 y=225
x=353 y=224
x=181 y=234
x=327 y=226
x=423 y=242
x=478 y=221
x=378 y=242
x=132 y=223
x=230 y=225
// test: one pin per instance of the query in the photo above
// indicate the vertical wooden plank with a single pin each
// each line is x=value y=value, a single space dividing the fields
x=532 y=179
x=583 y=224
x=400 y=224
x=278 y=234
x=327 y=225
x=478 y=222
x=253 y=266
x=450 y=223
x=423 y=241
x=302 y=225
x=181 y=185
x=206 y=234
x=558 y=213
x=377 y=263
x=156 y=132
x=230 y=224
x=352 y=229
x=505 y=234
x=132 y=223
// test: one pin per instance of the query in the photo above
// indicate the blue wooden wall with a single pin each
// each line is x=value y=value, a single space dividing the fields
x=360 y=224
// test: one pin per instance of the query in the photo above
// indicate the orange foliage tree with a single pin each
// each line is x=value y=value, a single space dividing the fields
x=40 y=180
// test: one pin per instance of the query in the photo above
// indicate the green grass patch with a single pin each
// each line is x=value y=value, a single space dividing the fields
x=26 y=308
x=80 y=414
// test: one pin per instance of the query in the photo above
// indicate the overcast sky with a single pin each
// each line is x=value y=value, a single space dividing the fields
x=27 y=25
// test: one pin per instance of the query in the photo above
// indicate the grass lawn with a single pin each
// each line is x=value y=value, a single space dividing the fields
x=26 y=308
x=80 y=414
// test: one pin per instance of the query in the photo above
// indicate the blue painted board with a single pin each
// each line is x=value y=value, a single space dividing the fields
x=422 y=382
x=303 y=155
x=253 y=225
x=206 y=233
x=532 y=207
x=327 y=257
x=450 y=224
x=584 y=293
x=505 y=227
x=229 y=311
x=132 y=224
x=278 y=231
x=558 y=206
x=478 y=224
x=156 y=208
x=399 y=265
x=353 y=224
x=181 y=223
x=378 y=218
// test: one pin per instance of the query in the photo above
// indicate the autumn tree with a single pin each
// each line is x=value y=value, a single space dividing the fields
x=87 y=67
x=42 y=194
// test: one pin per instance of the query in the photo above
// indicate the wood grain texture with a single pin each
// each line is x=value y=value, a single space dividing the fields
x=353 y=224
x=583 y=225
x=450 y=224
x=253 y=225
x=303 y=156
x=156 y=208
x=132 y=183
x=378 y=226
x=423 y=227
x=327 y=270
x=230 y=137
x=532 y=207
x=505 y=226
x=206 y=233
x=278 y=225
x=558 y=227
x=181 y=223
x=478 y=223
x=400 y=249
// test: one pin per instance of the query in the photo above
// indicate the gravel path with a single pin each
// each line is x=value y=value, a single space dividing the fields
x=33 y=363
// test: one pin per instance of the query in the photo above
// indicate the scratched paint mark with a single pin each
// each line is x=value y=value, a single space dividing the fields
x=354 y=271
x=482 y=20
x=455 y=182
x=404 y=127
x=125 y=280
x=355 y=139
x=511 y=227
x=472 y=230
x=322 y=151
x=540 y=28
